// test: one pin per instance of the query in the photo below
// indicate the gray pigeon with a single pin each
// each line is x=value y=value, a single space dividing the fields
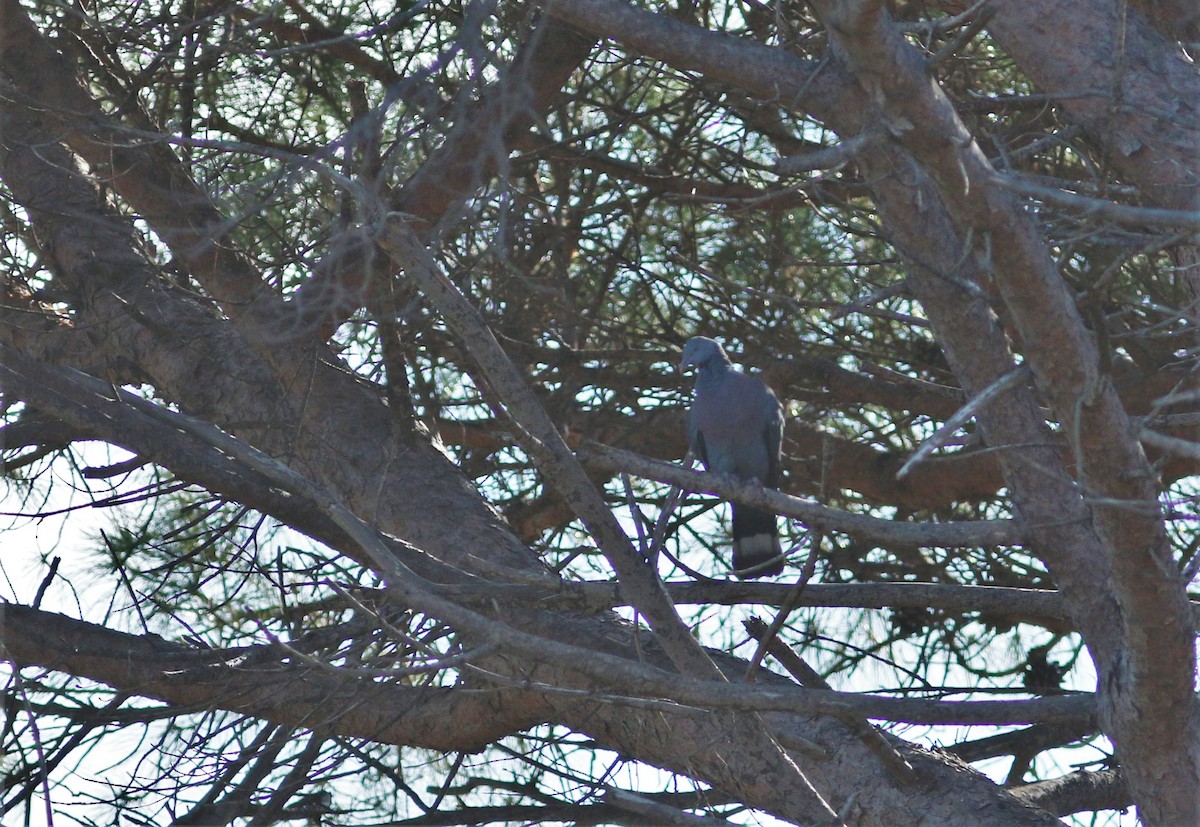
x=735 y=427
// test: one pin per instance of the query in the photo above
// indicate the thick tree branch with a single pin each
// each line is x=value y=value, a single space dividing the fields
x=1079 y=792
x=153 y=667
x=264 y=682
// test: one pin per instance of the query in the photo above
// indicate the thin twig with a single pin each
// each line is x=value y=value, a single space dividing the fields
x=961 y=417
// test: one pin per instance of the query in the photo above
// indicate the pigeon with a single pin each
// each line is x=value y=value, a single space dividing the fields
x=735 y=427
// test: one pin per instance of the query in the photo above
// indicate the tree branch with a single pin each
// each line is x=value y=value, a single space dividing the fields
x=1078 y=792
x=258 y=681
x=873 y=529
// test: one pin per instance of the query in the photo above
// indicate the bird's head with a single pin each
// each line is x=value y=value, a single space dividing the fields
x=700 y=351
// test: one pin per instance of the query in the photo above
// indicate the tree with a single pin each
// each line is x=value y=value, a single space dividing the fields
x=380 y=304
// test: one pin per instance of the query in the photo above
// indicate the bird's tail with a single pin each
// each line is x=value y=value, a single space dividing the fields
x=756 y=549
